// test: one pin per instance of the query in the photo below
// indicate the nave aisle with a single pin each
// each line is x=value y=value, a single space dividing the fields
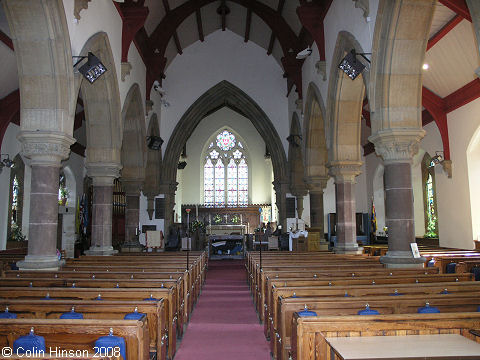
x=224 y=324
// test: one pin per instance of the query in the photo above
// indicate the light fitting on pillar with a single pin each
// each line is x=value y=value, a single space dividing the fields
x=351 y=66
x=154 y=142
x=92 y=69
x=291 y=139
x=6 y=162
x=304 y=53
x=181 y=165
x=437 y=159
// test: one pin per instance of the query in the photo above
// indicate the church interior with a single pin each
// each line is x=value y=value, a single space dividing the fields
x=231 y=178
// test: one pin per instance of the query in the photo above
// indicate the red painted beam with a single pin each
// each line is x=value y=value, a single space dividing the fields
x=248 y=24
x=459 y=7
x=6 y=40
x=444 y=31
x=311 y=16
x=176 y=40
x=271 y=42
x=436 y=106
x=198 y=15
x=462 y=96
x=9 y=112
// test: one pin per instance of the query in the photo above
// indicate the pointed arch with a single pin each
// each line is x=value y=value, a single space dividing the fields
x=101 y=100
x=315 y=142
x=344 y=105
x=224 y=94
x=134 y=146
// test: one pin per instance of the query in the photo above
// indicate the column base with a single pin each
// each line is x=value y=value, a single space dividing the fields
x=35 y=262
x=347 y=249
x=101 y=251
x=402 y=259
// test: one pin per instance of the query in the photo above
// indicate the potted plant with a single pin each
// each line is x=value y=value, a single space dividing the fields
x=64 y=193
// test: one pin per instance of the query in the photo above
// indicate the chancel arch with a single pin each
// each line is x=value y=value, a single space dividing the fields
x=221 y=95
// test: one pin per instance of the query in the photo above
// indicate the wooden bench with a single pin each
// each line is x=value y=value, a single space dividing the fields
x=79 y=334
x=281 y=337
x=93 y=309
x=131 y=294
x=310 y=333
x=378 y=280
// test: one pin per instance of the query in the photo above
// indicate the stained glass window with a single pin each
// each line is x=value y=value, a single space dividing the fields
x=431 y=216
x=15 y=189
x=219 y=183
x=225 y=172
x=225 y=140
x=208 y=182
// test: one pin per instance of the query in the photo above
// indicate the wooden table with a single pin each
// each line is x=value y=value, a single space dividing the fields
x=411 y=347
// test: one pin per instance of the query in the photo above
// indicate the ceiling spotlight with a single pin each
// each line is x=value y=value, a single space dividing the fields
x=6 y=162
x=92 y=69
x=154 y=142
x=304 y=53
x=181 y=165
x=351 y=65
x=425 y=66
x=437 y=159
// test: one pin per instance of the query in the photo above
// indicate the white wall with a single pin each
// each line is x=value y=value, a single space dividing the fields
x=473 y=159
x=417 y=185
x=225 y=56
x=260 y=169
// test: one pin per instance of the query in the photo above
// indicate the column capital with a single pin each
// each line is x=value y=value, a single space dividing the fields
x=344 y=170
x=281 y=186
x=168 y=188
x=397 y=145
x=316 y=184
x=46 y=148
x=103 y=174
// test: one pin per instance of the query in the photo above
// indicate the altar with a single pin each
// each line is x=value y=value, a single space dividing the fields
x=226 y=241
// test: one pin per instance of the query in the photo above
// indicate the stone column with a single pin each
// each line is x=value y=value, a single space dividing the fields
x=169 y=190
x=45 y=149
x=397 y=147
x=132 y=215
x=281 y=189
x=344 y=173
x=103 y=176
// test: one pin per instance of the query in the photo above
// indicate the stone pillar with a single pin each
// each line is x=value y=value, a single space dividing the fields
x=169 y=190
x=45 y=149
x=132 y=215
x=103 y=176
x=397 y=147
x=281 y=189
x=344 y=173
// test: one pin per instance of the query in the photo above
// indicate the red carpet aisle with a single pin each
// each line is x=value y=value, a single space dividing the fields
x=224 y=324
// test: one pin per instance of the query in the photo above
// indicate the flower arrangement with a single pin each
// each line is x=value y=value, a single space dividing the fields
x=198 y=225
x=235 y=219
x=217 y=219
x=16 y=233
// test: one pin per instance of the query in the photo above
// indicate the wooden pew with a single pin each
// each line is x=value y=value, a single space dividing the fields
x=168 y=295
x=407 y=304
x=309 y=333
x=79 y=334
x=93 y=309
x=378 y=280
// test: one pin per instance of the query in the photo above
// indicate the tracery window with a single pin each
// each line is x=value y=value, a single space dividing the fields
x=225 y=172
x=429 y=197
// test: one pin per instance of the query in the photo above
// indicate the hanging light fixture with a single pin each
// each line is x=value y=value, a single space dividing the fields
x=6 y=162
x=154 y=142
x=92 y=69
x=351 y=65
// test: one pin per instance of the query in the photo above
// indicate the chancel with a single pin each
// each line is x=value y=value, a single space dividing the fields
x=200 y=166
